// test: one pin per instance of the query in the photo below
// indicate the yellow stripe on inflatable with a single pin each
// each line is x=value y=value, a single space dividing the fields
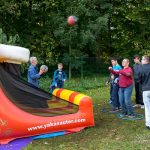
x=65 y=94
x=78 y=98
x=55 y=92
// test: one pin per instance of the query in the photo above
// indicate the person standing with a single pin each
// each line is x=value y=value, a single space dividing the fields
x=144 y=75
x=138 y=86
x=59 y=78
x=125 y=88
x=33 y=75
x=114 y=85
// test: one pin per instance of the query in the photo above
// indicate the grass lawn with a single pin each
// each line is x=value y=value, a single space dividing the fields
x=109 y=133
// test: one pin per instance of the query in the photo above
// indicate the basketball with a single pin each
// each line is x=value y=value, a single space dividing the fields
x=44 y=68
x=72 y=20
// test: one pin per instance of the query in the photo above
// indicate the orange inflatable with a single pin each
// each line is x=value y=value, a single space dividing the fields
x=15 y=123
x=29 y=111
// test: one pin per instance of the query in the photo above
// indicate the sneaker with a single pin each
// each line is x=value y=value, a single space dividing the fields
x=132 y=116
x=119 y=108
x=137 y=105
x=114 y=110
x=110 y=102
x=142 y=107
x=123 y=115
x=148 y=127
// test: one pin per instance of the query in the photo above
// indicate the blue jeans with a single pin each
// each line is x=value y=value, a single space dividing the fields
x=60 y=85
x=115 y=96
x=146 y=98
x=53 y=86
x=125 y=100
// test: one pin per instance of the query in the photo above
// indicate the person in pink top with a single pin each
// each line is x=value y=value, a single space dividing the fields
x=126 y=88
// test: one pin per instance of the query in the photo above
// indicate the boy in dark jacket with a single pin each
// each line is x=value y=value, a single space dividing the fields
x=59 y=78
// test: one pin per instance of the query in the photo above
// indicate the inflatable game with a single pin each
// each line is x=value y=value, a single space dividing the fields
x=27 y=111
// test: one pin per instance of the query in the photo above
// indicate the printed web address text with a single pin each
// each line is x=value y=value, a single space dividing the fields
x=53 y=124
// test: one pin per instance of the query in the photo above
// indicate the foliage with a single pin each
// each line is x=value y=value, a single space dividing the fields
x=131 y=26
x=8 y=40
x=42 y=27
x=104 y=28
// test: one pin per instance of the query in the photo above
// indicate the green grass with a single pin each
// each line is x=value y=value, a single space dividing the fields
x=109 y=133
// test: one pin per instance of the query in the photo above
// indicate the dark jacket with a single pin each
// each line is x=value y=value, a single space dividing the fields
x=59 y=76
x=136 y=69
x=144 y=75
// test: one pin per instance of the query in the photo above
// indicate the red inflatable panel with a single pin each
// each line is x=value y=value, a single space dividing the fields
x=16 y=123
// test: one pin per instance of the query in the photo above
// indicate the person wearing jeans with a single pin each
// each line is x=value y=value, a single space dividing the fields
x=144 y=75
x=146 y=97
x=125 y=100
x=114 y=86
x=58 y=79
x=126 y=87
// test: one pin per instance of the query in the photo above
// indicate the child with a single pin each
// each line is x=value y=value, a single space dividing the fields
x=58 y=79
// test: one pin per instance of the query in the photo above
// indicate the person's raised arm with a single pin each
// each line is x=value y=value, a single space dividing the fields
x=113 y=72
x=126 y=73
x=55 y=76
x=33 y=75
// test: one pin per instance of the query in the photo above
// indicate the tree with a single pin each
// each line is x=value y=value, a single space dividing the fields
x=89 y=35
x=8 y=40
x=104 y=28
x=130 y=27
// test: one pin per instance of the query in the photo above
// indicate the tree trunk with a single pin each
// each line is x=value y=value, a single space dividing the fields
x=70 y=68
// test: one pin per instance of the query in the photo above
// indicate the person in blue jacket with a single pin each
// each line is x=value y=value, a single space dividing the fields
x=59 y=78
x=33 y=75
